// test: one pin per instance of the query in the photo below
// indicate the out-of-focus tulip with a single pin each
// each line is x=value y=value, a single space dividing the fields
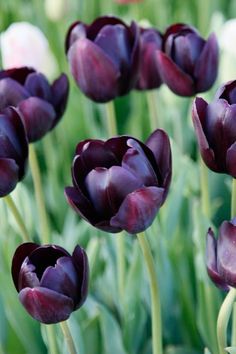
x=13 y=150
x=215 y=127
x=188 y=64
x=221 y=255
x=104 y=57
x=51 y=283
x=56 y=9
x=23 y=44
x=40 y=104
x=149 y=77
x=121 y=183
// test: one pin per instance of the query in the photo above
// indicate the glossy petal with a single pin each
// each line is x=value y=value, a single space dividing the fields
x=211 y=261
x=138 y=210
x=93 y=70
x=231 y=160
x=45 y=305
x=60 y=92
x=207 y=65
x=179 y=82
x=11 y=93
x=37 y=85
x=38 y=116
x=227 y=92
x=27 y=276
x=81 y=263
x=20 y=254
x=76 y=31
x=226 y=250
x=9 y=173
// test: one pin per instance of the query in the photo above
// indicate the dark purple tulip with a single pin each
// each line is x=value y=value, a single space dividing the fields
x=13 y=150
x=104 y=57
x=149 y=77
x=188 y=64
x=221 y=255
x=215 y=126
x=40 y=104
x=51 y=283
x=121 y=183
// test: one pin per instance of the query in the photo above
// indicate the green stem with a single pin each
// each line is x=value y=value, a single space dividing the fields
x=233 y=199
x=204 y=189
x=223 y=319
x=52 y=345
x=152 y=109
x=155 y=297
x=20 y=222
x=68 y=337
x=45 y=233
x=111 y=119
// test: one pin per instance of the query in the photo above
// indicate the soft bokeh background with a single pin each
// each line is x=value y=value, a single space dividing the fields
x=109 y=323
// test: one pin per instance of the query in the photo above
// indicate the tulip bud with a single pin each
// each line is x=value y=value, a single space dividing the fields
x=23 y=44
x=149 y=77
x=56 y=9
x=215 y=128
x=188 y=64
x=121 y=183
x=40 y=104
x=221 y=255
x=51 y=283
x=104 y=57
x=13 y=150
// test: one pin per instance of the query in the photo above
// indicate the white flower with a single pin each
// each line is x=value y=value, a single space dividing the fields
x=23 y=44
x=56 y=9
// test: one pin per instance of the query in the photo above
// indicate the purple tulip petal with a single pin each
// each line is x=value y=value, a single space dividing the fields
x=199 y=118
x=231 y=160
x=93 y=70
x=81 y=263
x=45 y=305
x=229 y=124
x=118 y=145
x=76 y=31
x=81 y=204
x=27 y=276
x=37 y=85
x=179 y=82
x=135 y=61
x=11 y=93
x=227 y=92
x=60 y=92
x=38 y=116
x=20 y=254
x=100 y=22
x=207 y=65
x=17 y=74
x=211 y=261
x=226 y=250
x=9 y=172
x=138 y=210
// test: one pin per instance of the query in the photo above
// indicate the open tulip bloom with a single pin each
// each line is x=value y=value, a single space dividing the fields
x=187 y=63
x=214 y=125
x=120 y=184
x=40 y=104
x=104 y=57
x=51 y=283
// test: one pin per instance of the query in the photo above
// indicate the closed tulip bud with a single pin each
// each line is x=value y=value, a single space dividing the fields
x=149 y=77
x=51 y=283
x=40 y=104
x=13 y=150
x=221 y=255
x=188 y=64
x=121 y=183
x=215 y=127
x=104 y=57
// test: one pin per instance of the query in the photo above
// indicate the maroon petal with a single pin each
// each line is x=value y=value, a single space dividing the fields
x=17 y=74
x=231 y=160
x=45 y=305
x=76 y=31
x=199 y=118
x=207 y=65
x=38 y=116
x=37 y=85
x=81 y=263
x=27 y=276
x=9 y=175
x=226 y=250
x=93 y=70
x=179 y=82
x=138 y=210
x=60 y=92
x=20 y=255
x=11 y=93
x=135 y=59
x=100 y=22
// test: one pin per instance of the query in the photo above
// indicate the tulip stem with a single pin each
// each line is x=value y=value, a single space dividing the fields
x=152 y=108
x=233 y=199
x=155 y=296
x=204 y=189
x=45 y=233
x=223 y=319
x=68 y=337
x=111 y=119
x=20 y=222
x=52 y=346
